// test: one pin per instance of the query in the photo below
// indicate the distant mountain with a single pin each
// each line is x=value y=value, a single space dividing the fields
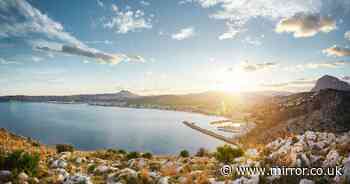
x=107 y=97
x=330 y=82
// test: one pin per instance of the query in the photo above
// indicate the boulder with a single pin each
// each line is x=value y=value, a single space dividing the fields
x=102 y=169
x=306 y=181
x=5 y=175
x=77 y=179
x=331 y=159
x=163 y=180
x=23 y=176
x=60 y=163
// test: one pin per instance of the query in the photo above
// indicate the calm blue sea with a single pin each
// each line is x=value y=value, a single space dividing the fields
x=93 y=127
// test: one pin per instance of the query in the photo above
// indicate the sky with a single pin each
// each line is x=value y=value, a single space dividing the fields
x=170 y=46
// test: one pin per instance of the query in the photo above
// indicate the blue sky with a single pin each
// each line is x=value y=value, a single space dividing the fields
x=170 y=46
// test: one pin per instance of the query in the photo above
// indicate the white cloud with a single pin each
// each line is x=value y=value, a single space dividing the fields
x=184 y=34
x=306 y=25
x=37 y=59
x=232 y=31
x=20 y=20
x=100 y=3
x=251 y=67
x=182 y=2
x=145 y=3
x=302 y=67
x=294 y=85
x=7 y=62
x=337 y=51
x=115 y=8
x=238 y=13
x=252 y=41
x=106 y=42
x=347 y=35
x=128 y=21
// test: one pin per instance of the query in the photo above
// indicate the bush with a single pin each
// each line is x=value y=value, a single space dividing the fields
x=121 y=151
x=202 y=152
x=64 y=148
x=184 y=153
x=132 y=155
x=112 y=151
x=147 y=155
x=20 y=161
x=227 y=154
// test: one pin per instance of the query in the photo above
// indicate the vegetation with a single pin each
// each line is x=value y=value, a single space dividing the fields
x=20 y=161
x=121 y=151
x=64 y=148
x=147 y=155
x=227 y=154
x=132 y=155
x=184 y=153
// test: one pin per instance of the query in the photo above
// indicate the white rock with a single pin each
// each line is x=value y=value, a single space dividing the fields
x=309 y=135
x=36 y=180
x=77 y=179
x=163 y=180
x=241 y=180
x=331 y=159
x=252 y=153
x=62 y=172
x=306 y=181
x=79 y=160
x=154 y=174
x=5 y=175
x=213 y=181
x=23 y=176
x=102 y=169
x=128 y=172
x=59 y=164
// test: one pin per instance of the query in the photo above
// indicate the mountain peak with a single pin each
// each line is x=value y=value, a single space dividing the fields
x=331 y=82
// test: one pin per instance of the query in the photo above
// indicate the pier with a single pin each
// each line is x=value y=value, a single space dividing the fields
x=210 y=133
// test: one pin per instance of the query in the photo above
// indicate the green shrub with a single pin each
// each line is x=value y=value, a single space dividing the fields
x=114 y=151
x=132 y=155
x=147 y=155
x=91 y=168
x=184 y=153
x=227 y=154
x=202 y=152
x=20 y=161
x=121 y=151
x=64 y=148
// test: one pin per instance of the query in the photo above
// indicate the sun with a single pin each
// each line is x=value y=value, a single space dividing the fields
x=237 y=80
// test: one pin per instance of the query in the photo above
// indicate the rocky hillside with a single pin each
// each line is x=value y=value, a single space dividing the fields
x=312 y=149
x=330 y=82
x=325 y=110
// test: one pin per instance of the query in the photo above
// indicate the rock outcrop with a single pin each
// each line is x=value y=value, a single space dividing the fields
x=330 y=82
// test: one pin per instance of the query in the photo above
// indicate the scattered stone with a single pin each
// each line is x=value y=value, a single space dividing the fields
x=5 y=175
x=59 y=164
x=23 y=176
x=163 y=180
x=331 y=159
x=102 y=169
x=77 y=179
x=306 y=181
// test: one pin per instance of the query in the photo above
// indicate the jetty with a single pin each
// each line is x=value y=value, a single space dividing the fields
x=210 y=133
